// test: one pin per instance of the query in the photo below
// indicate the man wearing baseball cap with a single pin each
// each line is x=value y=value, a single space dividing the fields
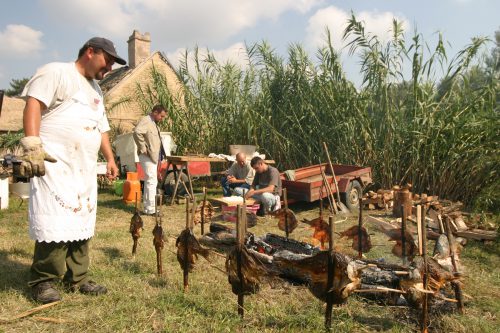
x=65 y=126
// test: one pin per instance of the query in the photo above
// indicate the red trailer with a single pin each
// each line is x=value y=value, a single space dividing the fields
x=307 y=183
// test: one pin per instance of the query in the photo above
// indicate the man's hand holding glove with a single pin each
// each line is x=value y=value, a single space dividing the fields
x=32 y=161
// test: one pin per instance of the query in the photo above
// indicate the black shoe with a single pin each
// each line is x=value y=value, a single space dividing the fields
x=261 y=211
x=44 y=293
x=92 y=288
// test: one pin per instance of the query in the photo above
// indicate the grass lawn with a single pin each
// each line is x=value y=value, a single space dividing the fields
x=139 y=301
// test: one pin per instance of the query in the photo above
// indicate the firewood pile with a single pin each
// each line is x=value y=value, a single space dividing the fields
x=382 y=199
x=462 y=224
x=437 y=210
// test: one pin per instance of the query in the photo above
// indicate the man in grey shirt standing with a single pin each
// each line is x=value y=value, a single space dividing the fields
x=266 y=185
x=239 y=176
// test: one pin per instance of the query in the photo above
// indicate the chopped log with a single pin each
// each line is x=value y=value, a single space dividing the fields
x=402 y=198
x=478 y=234
x=459 y=222
x=451 y=207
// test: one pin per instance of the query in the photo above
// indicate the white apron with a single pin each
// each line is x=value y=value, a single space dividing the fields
x=63 y=202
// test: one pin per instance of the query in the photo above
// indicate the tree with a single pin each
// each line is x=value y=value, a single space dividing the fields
x=16 y=87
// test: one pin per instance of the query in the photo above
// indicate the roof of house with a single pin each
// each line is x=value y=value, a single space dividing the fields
x=116 y=76
x=112 y=78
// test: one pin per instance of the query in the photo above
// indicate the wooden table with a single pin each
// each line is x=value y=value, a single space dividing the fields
x=179 y=163
x=226 y=201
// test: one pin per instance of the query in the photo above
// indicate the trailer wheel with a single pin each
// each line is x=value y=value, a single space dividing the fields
x=170 y=184
x=351 y=197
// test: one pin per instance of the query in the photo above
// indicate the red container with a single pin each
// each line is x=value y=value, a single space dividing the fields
x=131 y=187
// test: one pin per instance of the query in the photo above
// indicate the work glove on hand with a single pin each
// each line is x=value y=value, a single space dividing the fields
x=32 y=161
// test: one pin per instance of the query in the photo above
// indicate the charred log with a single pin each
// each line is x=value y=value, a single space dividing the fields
x=314 y=270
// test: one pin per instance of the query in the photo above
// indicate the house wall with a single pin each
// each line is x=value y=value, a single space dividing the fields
x=11 y=118
x=125 y=115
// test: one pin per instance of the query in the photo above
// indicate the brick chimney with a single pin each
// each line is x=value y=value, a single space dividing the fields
x=139 y=48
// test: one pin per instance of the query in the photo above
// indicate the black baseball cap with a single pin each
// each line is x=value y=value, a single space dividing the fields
x=107 y=46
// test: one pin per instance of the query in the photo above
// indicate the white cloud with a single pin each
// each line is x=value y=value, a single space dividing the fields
x=378 y=23
x=19 y=40
x=172 y=22
x=235 y=54
x=110 y=17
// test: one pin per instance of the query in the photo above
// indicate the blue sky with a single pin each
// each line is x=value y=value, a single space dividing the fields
x=35 y=32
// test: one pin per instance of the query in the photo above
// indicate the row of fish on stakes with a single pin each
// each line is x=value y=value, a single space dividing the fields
x=201 y=213
x=274 y=257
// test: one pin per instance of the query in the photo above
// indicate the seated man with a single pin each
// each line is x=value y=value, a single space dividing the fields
x=266 y=186
x=239 y=177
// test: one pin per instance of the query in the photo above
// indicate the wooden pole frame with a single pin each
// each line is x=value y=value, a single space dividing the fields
x=203 y=210
x=425 y=305
x=360 y=225
x=403 y=236
x=286 y=213
x=330 y=277
x=241 y=227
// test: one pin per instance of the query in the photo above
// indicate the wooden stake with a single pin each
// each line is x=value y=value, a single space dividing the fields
x=425 y=305
x=321 y=202
x=185 y=268
x=203 y=210
x=441 y=226
x=360 y=225
x=419 y=230
x=286 y=212
x=330 y=277
x=240 y=236
x=331 y=199
x=158 y=202
x=403 y=235
x=456 y=285
x=333 y=174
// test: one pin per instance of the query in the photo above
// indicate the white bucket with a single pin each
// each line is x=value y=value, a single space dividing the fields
x=21 y=190
x=168 y=143
x=4 y=193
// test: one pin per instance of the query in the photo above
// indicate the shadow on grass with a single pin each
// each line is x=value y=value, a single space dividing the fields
x=158 y=282
x=112 y=252
x=182 y=300
x=13 y=274
x=375 y=323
